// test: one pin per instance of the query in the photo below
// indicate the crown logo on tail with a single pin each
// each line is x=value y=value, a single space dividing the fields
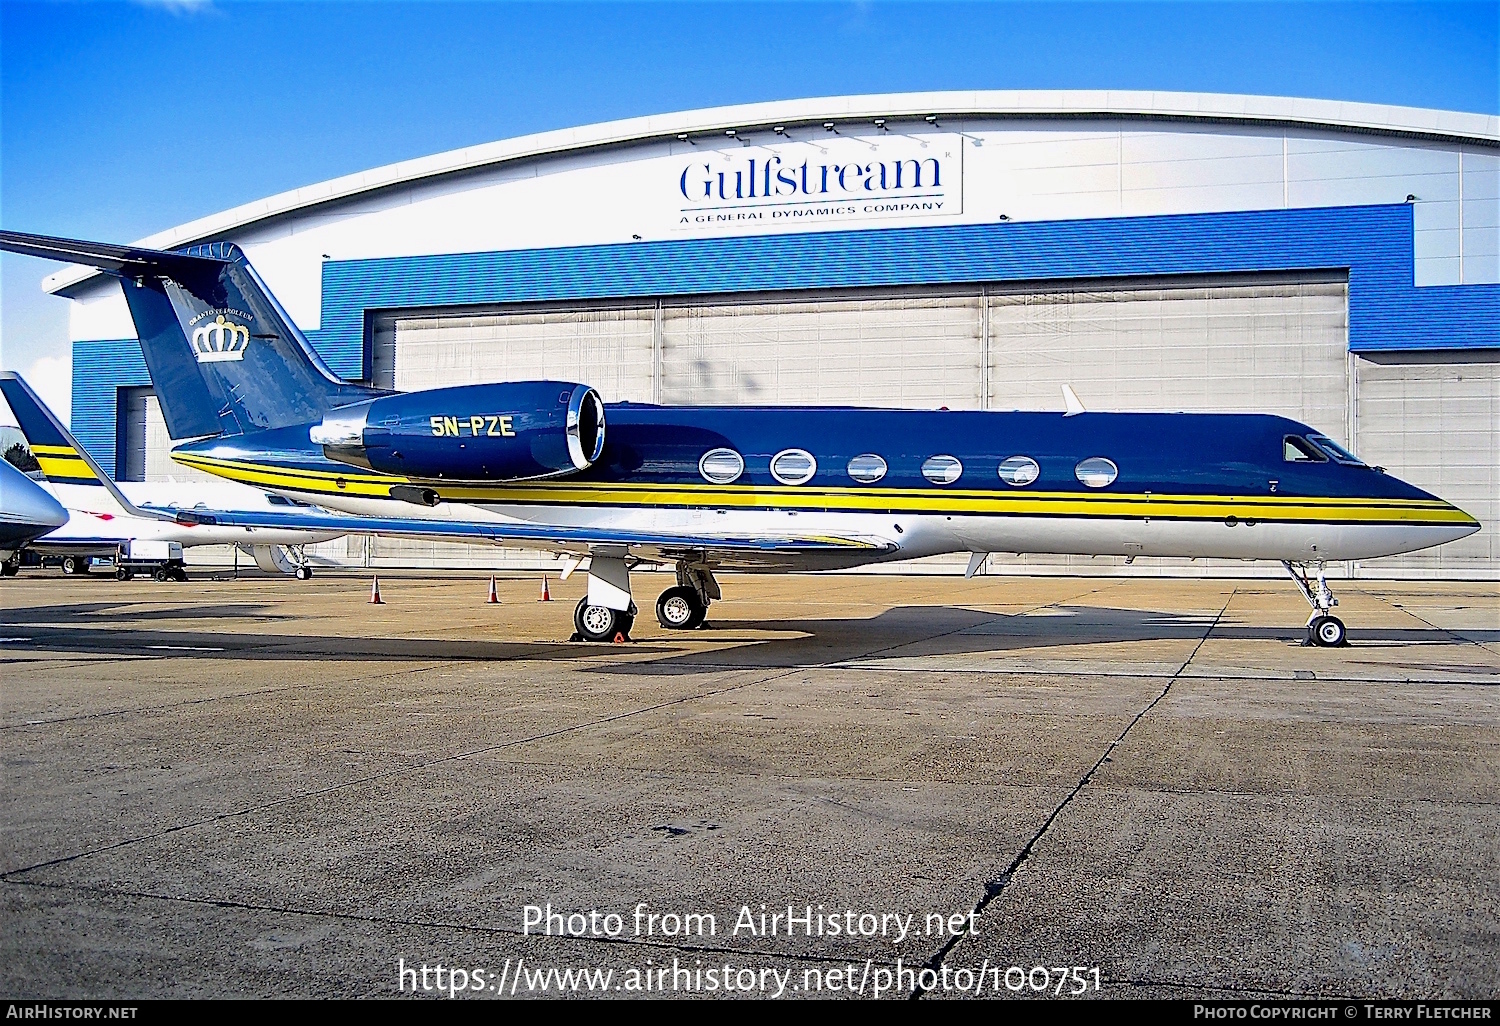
x=221 y=340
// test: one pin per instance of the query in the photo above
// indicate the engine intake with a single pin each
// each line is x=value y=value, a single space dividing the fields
x=514 y=431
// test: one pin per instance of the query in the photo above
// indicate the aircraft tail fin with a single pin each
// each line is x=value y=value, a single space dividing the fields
x=224 y=357
x=65 y=463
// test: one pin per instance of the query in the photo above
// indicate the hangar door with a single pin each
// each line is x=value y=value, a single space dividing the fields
x=1253 y=345
x=920 y=351
x=1247 y=347
x=1434 y=420
x=610 y=348
x=909 y=350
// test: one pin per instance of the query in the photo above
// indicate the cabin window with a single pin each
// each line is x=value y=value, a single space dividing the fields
x=1096 y=472
x=941 y=470
x=867 y=469
x=1296 y=449
x=1335 y=450
x=793 y=466
x=1019 y=470
x=721 y=466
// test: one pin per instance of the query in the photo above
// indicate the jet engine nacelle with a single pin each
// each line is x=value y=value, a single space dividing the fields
x=503 y=432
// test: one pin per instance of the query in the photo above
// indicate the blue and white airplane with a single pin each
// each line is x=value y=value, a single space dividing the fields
x=26 y=512
x=766 y=489
x=103 y=520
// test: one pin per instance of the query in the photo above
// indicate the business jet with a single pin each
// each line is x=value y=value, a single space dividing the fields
x=26 y=512
x=101 y=520
x=768 y=489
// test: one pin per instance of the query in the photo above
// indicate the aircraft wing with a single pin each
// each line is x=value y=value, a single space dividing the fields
x=739 y=550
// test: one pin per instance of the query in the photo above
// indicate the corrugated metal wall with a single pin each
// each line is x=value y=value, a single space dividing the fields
x=1435 y=421
x=1266 y=346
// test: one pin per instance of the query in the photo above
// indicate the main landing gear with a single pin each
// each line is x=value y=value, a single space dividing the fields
x=601 y=623
x=1323 y=628
x=680 y=608
x=684 y=607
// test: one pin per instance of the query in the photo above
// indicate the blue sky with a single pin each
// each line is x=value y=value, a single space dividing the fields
x=119 y=119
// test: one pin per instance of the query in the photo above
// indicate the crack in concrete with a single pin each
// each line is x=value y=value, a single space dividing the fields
x=997 y=886
x=1481 y=645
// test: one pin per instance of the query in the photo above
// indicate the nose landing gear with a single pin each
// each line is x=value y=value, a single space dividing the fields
x=1323 y=628
x=303 y=571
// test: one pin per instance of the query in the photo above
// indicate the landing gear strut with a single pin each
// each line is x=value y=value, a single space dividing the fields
x=1323 y=628
x=684 y=607
x=299 y=557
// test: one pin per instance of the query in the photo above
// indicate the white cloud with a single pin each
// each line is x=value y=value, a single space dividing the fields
x=177 y=6
x=52 y=379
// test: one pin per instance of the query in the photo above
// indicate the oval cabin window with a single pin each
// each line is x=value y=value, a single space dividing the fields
x=793 y=466
x=721 y=466
x=1096 y=472
x=941 y=470
x=867 y=469
x=1019 y=470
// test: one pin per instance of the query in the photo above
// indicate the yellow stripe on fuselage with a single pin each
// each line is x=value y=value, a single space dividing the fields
x=855 y=500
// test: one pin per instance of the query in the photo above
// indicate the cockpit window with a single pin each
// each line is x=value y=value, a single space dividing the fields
x=1335 y=450
x=1296 y=449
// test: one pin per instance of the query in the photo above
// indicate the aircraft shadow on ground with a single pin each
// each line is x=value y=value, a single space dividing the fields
x=898 y=633
x=89 y=612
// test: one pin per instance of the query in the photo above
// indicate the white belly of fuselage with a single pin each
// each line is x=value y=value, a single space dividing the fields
x=918 y=535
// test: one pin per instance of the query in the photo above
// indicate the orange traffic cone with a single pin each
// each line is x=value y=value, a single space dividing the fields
x=375 y=599
x=546 y=594
x=494 y=598
x=619 y=637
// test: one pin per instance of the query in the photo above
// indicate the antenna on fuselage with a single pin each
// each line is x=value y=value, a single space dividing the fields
x=1074 y=406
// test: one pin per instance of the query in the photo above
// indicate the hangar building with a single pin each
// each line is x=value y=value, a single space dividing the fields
x=1338 y=263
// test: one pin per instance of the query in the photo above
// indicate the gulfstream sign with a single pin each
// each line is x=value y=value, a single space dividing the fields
x=835 y=179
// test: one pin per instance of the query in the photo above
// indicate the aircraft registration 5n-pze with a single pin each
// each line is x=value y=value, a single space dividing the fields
x=765 y=489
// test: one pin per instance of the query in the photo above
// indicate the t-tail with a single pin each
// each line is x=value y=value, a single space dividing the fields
x=77 y=480
x=223 y=355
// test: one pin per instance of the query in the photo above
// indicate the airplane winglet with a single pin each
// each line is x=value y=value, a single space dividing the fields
x=1074 y=406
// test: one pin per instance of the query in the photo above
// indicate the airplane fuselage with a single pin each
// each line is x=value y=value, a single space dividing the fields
x=925 y=482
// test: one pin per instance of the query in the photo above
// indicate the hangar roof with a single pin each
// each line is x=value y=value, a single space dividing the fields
x=1366 y=118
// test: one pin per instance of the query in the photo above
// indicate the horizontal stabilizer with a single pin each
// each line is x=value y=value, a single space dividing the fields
x=124 y=261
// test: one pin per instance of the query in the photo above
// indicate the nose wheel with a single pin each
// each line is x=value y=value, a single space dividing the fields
x=1327 y=631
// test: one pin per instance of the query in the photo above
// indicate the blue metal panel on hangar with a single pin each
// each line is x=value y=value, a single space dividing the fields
x=1387 y=312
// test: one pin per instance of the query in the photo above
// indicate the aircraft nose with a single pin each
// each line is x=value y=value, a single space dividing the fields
x=21 y=500
x=1459 y=522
